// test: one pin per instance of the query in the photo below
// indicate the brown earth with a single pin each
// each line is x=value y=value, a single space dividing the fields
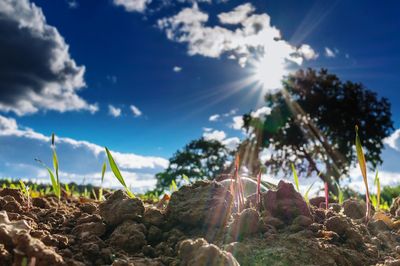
x=197 y=227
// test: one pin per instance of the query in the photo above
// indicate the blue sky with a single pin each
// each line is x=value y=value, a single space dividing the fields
x=144 y=77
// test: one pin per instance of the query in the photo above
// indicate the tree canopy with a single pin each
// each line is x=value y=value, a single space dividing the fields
x=200 y=159
x=312 y=121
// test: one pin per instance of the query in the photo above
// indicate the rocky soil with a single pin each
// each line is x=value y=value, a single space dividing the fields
x=197 y=227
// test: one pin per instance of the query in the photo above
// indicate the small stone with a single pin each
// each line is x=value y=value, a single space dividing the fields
x=285 y=202
x=88 y=207
x=244 y=224
x=302 y=221
x=354 y=209
x=119 y=207
x=87 y=229
x=153 y=216
x=199 y=253
x=130 y=236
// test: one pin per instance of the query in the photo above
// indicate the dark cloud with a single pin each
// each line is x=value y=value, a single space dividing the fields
x=36 y=70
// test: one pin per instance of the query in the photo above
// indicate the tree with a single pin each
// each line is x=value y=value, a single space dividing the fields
x=312 y=121
x=200 y=159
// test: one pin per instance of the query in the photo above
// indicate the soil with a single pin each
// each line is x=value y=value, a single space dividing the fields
x=197 y=227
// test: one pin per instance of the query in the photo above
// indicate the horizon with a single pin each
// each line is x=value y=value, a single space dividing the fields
x=144 y=78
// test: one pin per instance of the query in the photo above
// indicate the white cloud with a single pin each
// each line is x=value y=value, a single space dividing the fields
x=136 y=111
x=72 y=3
x=177 y=69
x=218 y=135
x=38 y=72
x=77 y=158
x=214 y=118
x=114 y=111
x=133 y=5
x=329 y=52
x=237 y=15
x=393 y=141
x=254 y=40
x=261 y=112
x=237 y=122
x=307 y=52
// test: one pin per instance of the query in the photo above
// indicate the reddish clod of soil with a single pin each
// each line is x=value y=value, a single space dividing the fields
x=197 y=227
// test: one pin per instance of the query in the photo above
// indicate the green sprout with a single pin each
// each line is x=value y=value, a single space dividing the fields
x=306 y=198
x=103 y=171
x=296 y=178
x=25 y=191
x=340 y=196
x=186 y=178
x=117 y=173
x=54 y=178
x=173 y=187
x=377 y=183
x=363 y=168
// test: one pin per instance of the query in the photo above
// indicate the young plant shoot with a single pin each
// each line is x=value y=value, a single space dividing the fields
x=363 y=168
x=117 y=173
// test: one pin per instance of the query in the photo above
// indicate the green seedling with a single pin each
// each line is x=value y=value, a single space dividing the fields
x=54 y=178
x=306 y=198
x=103 y=171
x=363 y=168
x=340 y=196
x=377 y=183
x=117 y=173
x=186 y=178
x=25 y=191
x=67 y=190
x=296 y=178
x=173 y=187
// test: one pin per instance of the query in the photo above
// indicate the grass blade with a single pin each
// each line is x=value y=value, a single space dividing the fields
x=363 y=167
x=306 y=198
x=117 y=173
x=296 y=178
x=378 y=190
x=103 y=171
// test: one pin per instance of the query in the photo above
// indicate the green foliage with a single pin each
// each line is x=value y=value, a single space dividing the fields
x=117 y=173
x=200 y=159
x=311 y=121
x=296 y=178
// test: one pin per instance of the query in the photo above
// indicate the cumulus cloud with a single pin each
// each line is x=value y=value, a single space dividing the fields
x=393 y=141
x=307 y=52
x=214 y=118
x=136 y=111
x=220 y=135
x=237 y=122
x=133 y=5
x=237 y=15
x=77 y=158
x=36 y=69
x=114 y=111
x=261 y=112
x=330 y=53
x=177 y=69
x=254 y=40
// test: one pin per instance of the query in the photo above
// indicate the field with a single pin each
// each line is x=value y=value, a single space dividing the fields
x=200 y=224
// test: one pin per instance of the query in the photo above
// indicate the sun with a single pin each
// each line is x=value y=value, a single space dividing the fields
x=268 y=72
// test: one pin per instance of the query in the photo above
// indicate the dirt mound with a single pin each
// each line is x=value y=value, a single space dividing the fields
x=196 y=228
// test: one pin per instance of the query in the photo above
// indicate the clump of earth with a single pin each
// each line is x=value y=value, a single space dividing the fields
x=198 y=226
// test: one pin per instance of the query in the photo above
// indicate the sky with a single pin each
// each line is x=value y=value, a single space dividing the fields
x=144 y=77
